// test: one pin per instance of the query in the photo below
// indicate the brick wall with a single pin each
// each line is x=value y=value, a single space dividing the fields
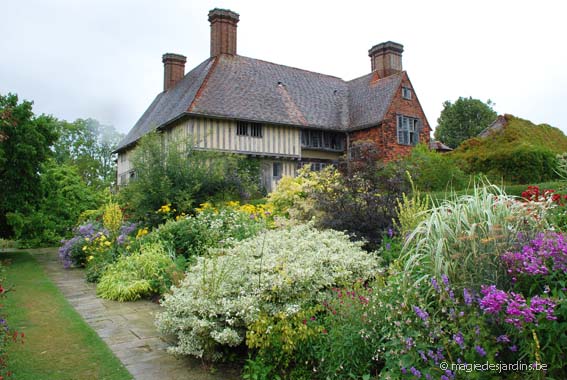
x=385 y=135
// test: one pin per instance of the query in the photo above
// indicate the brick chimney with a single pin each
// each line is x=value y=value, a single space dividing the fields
x=223 y=31
x=173 y=69
x=386 y=58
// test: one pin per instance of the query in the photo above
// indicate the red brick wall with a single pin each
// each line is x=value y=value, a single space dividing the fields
x=385 y=135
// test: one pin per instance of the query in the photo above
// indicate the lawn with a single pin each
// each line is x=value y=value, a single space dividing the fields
x=58 y=343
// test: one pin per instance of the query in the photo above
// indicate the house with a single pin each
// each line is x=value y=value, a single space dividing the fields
x=285 y=116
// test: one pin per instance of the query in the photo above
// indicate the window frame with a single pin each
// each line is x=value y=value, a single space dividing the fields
x=407 y=130
x=406 y=93
x=279 y=172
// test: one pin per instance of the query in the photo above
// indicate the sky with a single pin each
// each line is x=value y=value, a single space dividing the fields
x=102 y=58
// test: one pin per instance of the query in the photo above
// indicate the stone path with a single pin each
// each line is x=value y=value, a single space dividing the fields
x=127 y=328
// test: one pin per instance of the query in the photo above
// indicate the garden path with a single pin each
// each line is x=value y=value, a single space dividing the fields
x=127 y=328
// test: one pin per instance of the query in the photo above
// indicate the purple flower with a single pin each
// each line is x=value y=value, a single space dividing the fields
x=388 y=246
x=513 y=348
x=445 y=279
x=390 y=233
x=459 y=339
x=503 y=339
x=493 y=299
x=467 y=297
x=480 y=350
x=422 y=355
x=415 y=372
x=421 y=313
x=409 y=343
x=435 y=284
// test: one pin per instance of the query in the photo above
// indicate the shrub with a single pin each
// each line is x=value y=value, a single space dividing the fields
x=463 y=237
x=279 y=271
x=183 y=177
x=210 y=228
x=141 y=274
x=433 y=171
x=361 y=202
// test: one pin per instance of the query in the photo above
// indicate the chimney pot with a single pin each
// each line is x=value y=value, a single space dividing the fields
x=386 y=58
x=173 y=69
x=223 y=31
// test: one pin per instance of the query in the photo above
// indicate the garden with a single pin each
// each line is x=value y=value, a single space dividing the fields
x=339 y=275
x=435 y=266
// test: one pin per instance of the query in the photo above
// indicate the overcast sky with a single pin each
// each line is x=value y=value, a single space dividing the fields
x=102 y=58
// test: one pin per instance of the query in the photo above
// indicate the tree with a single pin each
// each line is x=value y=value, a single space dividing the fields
x=25 y=141
x=88 y=145
x=464 y=119
x=177 y=174
x=63 y=197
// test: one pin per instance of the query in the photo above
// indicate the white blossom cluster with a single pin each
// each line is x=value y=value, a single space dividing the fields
x=276 y=271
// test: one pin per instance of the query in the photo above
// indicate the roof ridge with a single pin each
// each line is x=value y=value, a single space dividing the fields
x=203 y=84
x=293 y=67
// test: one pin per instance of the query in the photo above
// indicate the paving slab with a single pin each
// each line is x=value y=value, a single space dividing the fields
x=127 y=328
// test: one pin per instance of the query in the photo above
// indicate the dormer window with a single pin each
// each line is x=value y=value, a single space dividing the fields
x=406 y=93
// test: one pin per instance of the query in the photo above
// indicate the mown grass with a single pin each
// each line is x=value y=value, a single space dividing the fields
x=58 y=344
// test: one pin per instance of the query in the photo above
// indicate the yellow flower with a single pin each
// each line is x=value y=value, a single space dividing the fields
x=107 y=243
x=141 y=232
x=90 y=258
x=87 y=239
x=84 y=247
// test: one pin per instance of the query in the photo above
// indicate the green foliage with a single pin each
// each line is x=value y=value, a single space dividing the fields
x=411 y=210
x=276 y=338
x=464 y=236
x=25 y=141
x=194 y=236
x=361 y=201
x=464 y=119
x=176 y=174
x=521 y=152
x=343 y=348
x=141 y=274
x=279 y=271
x=88 y=145
x=63 y=197
x=433 y=171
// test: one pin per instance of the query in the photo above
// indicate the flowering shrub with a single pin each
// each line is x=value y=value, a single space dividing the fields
x=210 y=228
x=73 y=251
x=143 y=273
x=279 y=271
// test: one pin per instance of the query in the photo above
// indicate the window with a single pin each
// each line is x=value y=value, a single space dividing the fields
x=322 y=140
x=317 y=166
x=408 y=130
x=406 y=93
x=241 y=128
x=244 y=128
x=123 y=157
x=123 y=179
x=256 y=130
x=277 y=169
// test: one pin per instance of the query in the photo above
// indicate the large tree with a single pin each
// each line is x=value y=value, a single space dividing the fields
x=88 y=145
x=25 y=141
x=464 y=119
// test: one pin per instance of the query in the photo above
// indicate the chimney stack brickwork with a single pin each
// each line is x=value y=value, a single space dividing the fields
x=386 y=58
x=173 y=69
x=223 y=31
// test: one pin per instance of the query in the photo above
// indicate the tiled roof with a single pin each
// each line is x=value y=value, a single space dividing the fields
x=244 y=88
x=369 y=99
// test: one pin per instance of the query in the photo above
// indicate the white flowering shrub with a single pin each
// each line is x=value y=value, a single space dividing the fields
x=278 y=271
